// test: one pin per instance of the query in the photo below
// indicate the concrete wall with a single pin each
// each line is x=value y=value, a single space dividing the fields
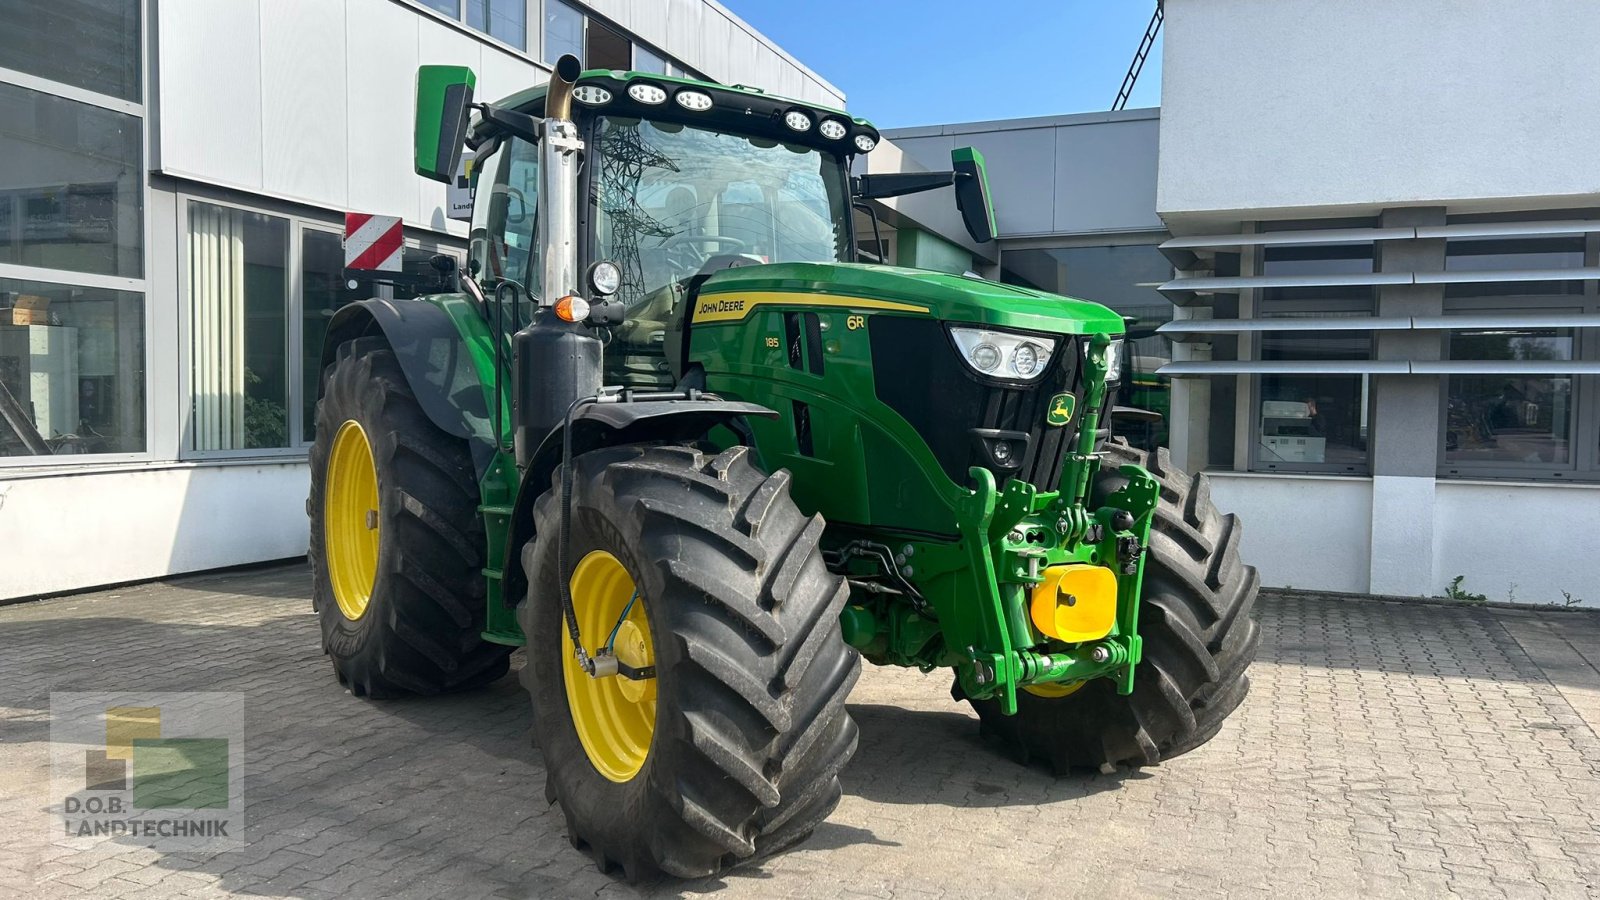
x=311 y=100
x=1405 y=536
x=1273 y=104
x=1059 y=174
x=67 y=531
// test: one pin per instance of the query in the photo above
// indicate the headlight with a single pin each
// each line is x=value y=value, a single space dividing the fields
x=694 y=101
x=605 y=277
x=832 y=129
x=647 y=94
x=1000 y=354
x=1114 y=360
x=591 y=95
x=865 y=142
x=797 y=120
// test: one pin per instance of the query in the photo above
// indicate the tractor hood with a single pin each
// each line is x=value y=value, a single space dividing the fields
x=954 y=298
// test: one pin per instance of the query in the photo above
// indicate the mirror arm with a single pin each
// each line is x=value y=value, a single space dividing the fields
x=895 y=184
x=505 y=121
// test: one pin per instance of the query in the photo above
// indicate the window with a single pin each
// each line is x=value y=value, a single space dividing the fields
x=238 y=306
x=1510 y=419
x=89 y=44
x=503 y=20
x=71 y=369
x=72 y=188
x=451 y=8
x=1509 y=255
x=644 y=60
x=563 y=31
x=671 y=197
x=503 y=216
x=1312 y=422
x=324 y=290
x=607 y=48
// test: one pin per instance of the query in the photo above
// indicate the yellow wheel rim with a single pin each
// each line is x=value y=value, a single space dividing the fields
x=615 y=717
x=350 y=520
x=1054 y=688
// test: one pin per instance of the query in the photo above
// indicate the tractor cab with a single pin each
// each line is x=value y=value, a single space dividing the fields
x=680 y=179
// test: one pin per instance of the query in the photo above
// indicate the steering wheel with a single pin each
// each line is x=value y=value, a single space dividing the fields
x=686 y=255
x=683 y=237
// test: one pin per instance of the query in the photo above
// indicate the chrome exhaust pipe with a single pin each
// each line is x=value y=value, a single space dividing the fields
x=558 y=100
x=558 y=188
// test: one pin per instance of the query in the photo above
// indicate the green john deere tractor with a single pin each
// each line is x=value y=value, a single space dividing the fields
x=663 y=432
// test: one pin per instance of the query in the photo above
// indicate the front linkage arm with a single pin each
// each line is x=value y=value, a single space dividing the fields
x=1003 y=535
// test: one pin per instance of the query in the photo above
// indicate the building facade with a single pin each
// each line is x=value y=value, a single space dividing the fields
x=173 y=180
x=1368 y=236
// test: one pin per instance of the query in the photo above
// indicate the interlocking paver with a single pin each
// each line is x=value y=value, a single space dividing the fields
x=1385 y=750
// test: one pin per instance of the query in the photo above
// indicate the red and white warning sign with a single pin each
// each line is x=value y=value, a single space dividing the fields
x=373 y=243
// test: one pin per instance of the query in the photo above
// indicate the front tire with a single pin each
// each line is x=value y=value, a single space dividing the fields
x=747 y=727
x=1198 y=633
x=396 y=537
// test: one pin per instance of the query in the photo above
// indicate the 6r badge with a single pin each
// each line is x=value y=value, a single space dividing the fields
x=1061 y=406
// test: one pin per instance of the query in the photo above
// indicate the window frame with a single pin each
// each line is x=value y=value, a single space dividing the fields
x=300 y=221
x=1289 y=308
x=1584 y=438
x=292 y=292
x=139 y=285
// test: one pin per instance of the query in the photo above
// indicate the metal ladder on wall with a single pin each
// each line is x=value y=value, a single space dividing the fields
x=1145 y=45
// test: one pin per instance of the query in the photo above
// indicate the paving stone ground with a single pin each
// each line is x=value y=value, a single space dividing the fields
x=1386 y=750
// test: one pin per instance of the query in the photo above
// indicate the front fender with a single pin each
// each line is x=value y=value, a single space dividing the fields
x=597 y=425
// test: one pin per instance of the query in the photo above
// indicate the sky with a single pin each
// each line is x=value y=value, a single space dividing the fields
x=929 y=62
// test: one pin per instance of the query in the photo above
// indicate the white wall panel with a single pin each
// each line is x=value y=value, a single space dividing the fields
x=303 y=99
x=769 y=70
x=311 y=100
x=685 y=27
x=1310 y=104
x=1105 y=176
x=503 y=74
x=741 y=58
x=437 y=44
x=60 y=533
x=791 y=82
x=1093 y=172
x=647 y=19
x=1326 y=549
x=381 y=66
x=210 y=82
x=716 y=35
x=1498 y=536
x=1403 y=520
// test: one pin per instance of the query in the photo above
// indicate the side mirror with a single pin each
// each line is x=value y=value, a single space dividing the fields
x=444 y=98
x=972 y=193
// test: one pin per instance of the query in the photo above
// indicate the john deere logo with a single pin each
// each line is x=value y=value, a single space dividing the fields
x=1061 y=406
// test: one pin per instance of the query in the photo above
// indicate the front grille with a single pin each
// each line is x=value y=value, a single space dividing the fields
x=919 y=374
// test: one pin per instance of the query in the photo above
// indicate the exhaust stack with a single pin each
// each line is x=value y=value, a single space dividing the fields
x=556 y=362
x=558 y=188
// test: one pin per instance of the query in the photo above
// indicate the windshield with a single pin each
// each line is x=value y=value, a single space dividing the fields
x=672 y=197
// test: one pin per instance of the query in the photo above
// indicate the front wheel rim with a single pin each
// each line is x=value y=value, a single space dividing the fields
x=350 y=520
x=615 y=717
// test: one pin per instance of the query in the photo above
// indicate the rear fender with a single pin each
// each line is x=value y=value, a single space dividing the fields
x=440 y=354
x=597 y=425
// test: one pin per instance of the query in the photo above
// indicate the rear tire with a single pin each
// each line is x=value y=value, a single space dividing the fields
x=750 y=727
x=1198 y=633
x=420 y=631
